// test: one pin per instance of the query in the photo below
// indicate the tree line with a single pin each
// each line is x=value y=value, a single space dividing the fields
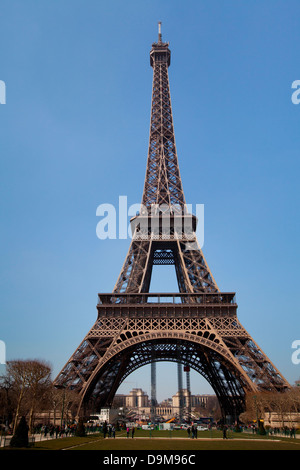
x=26 y=389
x=285 y=405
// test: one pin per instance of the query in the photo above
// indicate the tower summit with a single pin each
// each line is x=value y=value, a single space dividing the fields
x=160 y=50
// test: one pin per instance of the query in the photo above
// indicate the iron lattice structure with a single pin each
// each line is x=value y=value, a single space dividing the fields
x=198 y=325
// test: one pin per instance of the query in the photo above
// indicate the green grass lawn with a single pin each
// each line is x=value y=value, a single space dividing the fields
x=175 y=441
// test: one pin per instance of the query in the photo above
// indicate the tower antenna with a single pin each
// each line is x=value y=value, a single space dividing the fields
x=159 y=32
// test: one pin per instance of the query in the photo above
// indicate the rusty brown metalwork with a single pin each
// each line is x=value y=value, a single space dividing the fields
x=135 y=327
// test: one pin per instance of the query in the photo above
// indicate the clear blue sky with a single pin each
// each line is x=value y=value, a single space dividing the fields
x=74 y=134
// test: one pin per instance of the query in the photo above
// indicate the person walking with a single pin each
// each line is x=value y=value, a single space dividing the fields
x=127 y=430
x=104 y=429
x=132 y=432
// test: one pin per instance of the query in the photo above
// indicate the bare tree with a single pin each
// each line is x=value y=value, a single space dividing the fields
x=27 y=377
x=6 y=399
x=64 y=402
x=39 y=376
x=56 y=403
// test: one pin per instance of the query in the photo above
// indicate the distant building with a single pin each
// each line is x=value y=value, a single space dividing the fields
x=137 y=401
x=196 y=400
x=107 y=414
x=276 y=420
x=119 y=401
x=137 y=398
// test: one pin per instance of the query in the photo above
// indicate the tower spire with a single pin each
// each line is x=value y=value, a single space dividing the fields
x=159 y=32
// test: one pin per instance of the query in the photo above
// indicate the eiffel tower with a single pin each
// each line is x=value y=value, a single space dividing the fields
x=198 y=326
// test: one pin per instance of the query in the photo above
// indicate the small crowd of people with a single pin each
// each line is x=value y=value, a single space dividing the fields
x=132 y=431
x=108 y=430
x=285 y=431
x=192 y=432
x=57 y=431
